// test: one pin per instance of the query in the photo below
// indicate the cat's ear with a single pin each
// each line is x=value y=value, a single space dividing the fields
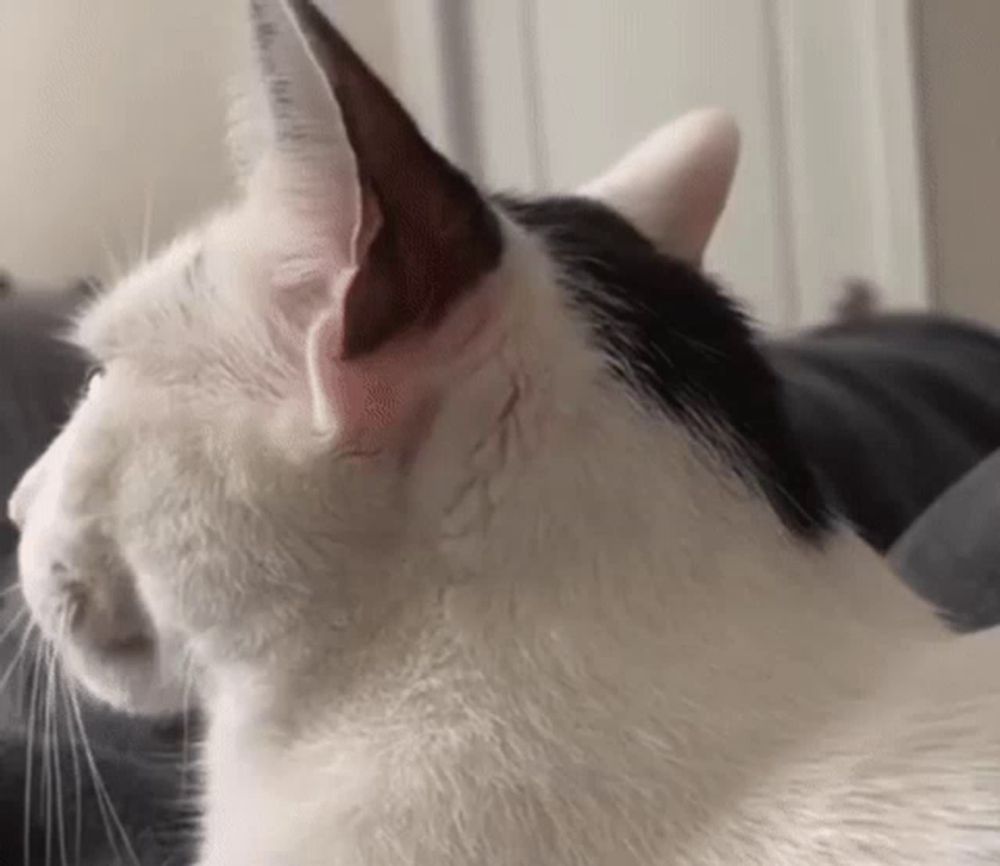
x=400 y=235
x=674 y=185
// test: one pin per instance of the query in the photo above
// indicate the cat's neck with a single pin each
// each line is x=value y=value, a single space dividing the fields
x=722 y=645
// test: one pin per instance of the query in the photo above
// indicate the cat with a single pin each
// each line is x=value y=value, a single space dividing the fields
x=882 y=385
x=481 y=526
x=845 y=385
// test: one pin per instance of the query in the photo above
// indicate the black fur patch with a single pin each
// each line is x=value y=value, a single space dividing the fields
x=671 y=331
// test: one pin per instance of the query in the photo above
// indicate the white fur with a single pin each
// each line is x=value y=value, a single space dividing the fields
x=559 y=632
x=675 y=183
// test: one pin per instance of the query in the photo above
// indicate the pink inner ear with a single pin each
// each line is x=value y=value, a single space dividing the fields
x=379 y=400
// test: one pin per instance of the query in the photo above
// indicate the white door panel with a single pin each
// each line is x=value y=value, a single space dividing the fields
x=611 y=72
x=829 y=187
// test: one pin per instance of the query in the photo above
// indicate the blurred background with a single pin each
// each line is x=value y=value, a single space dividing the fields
x=871 y=127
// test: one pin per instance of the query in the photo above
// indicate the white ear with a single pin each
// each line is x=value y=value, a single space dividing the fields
x=386 y=236
x=674 y=185
x=250 y=132
x=298 y=121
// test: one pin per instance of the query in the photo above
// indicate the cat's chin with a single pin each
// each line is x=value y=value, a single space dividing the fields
x=137 y=678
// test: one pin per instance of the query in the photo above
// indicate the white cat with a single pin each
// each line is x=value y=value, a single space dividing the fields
x=481 y=525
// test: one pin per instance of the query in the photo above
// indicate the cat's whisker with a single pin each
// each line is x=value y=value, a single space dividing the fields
x=46 y=747
x=29 y=750
x=12 y=626
x=19 y=656
x=18 y=608
x=100 y=788
x=77 y=776
x=77 y=721
x=53 y=706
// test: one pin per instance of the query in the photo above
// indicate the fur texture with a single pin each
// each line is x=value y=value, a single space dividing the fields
x=465 y=596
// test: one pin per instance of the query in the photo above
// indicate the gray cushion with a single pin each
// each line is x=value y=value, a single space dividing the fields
x=951 y=554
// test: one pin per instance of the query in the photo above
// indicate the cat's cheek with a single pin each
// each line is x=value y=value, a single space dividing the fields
x=145 y=680
x=163 y=593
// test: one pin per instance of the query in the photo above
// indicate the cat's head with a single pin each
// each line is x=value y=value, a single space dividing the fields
x=367 y=378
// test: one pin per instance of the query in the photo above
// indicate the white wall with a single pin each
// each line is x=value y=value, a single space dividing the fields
x=959 y=45
x=113 y=106
x=109 y=105
x=632 y=66
x=828 y=188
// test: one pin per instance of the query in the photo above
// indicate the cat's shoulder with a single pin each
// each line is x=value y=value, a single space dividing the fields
x=913 y=776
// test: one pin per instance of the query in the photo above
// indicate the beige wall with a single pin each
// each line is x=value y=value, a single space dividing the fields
x=110 y=105
x=959 y=63
x=828 y=187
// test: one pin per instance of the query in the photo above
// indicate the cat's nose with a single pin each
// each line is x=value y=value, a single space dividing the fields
x=23 y=495
x=16 y=508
